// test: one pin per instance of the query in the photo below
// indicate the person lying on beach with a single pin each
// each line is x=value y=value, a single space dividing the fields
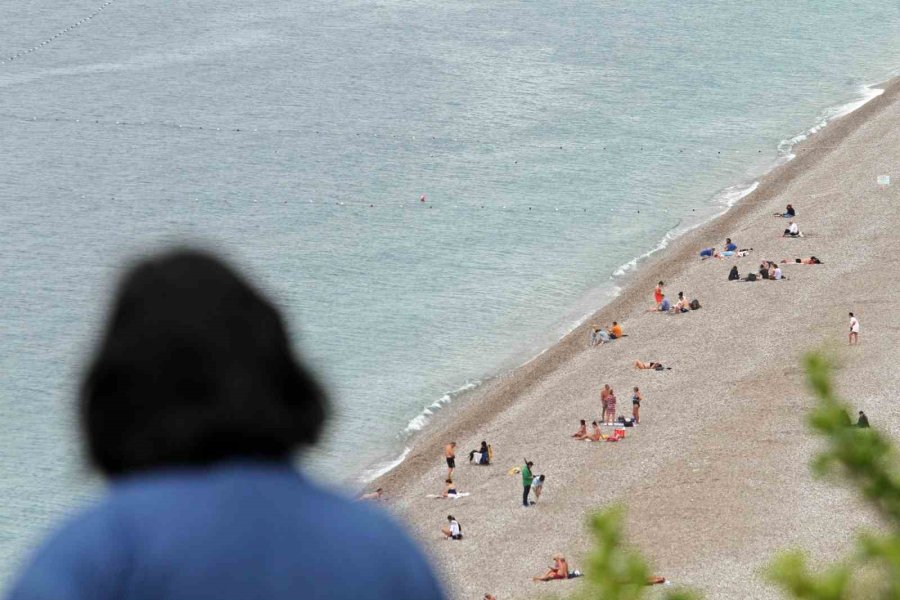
x=598 y=336
x=537 y=486
x=733 y=275
x=663 y=307
x=812 y=260
x=453 y=531
x=559 y=570
x=597 y=435
x=789 y=213
x=707 y=253
x=490 y=597
x=582 y=431
x=638 y=364
x=793 y=230
x=449 y=489
x=450 y=456
x=375 y=496
x=615 y=331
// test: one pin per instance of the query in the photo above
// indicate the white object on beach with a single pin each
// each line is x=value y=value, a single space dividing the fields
x=884 y=180
x=452 y=496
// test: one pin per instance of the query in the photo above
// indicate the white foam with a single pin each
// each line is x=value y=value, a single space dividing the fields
x=385 y=467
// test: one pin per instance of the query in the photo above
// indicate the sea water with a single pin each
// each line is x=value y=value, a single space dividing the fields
x=553 y=142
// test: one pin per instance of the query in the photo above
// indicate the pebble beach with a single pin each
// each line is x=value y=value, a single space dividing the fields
x=716 y=478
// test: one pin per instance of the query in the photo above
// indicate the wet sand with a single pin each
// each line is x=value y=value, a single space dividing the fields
x=716 y=477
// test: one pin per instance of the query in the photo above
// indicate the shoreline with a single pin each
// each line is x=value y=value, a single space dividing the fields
x=465 y=394
x=722 y=450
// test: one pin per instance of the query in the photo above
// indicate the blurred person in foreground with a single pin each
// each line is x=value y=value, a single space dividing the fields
x=192 y=408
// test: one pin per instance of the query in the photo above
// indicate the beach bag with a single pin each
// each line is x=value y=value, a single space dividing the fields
x=751 y=277
x=620 y=433
x=695 y=304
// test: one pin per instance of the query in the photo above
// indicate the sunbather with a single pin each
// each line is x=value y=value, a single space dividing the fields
x=596 y=435
x=582 y=431
x=559 y=570
x=376 y=495
x=683 y=305
x=812 y=260
x=639 y=364
x=449 y=489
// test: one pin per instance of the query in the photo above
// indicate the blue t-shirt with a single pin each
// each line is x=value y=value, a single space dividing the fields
x=665 y=304
x=706 y=252
x=235 y=531
x=731 y=247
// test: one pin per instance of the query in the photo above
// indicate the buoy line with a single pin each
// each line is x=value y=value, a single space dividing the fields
x=11 y=57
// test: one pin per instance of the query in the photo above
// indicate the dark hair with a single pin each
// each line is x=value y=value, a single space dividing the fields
x=194 y=367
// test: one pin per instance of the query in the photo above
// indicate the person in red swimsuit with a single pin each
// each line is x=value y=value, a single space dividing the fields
x=559 y=570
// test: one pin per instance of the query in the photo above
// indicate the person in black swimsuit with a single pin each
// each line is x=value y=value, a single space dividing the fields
x=636 y=405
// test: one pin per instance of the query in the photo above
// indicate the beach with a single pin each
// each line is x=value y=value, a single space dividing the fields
x=716 y=478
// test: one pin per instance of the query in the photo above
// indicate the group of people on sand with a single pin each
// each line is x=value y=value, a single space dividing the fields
x=663 y=305
x=601 y=336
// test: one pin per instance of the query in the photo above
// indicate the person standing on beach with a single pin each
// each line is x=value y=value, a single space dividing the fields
x=450 y=455
x=854 y=330
x=610 y=415
x=604 y=397
x=658 y=293
x=636 y=398
x=527 y=480
x=538 y=487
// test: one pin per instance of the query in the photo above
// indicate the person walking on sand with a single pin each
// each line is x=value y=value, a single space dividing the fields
x=636 y=398
x=527 y=480
x=658 y=293
x=610 y=415
x=450 y=455
x=854 y=330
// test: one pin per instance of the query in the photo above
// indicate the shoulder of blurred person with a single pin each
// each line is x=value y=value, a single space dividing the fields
x=236 y=530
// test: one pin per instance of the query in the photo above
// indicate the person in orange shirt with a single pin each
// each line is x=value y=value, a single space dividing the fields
x=615 y=331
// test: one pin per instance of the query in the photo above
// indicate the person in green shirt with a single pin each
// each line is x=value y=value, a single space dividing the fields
x=527 y=479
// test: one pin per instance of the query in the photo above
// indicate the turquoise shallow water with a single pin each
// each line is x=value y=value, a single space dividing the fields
x=554 y=142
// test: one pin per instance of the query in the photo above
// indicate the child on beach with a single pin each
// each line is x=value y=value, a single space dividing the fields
x=527 y=480
x=854 y=330
x=559 y=570
x=582 y=431
x=537 y=487
x=453 y=531
x=450 y=456
x=658 y=293
x=636 y=398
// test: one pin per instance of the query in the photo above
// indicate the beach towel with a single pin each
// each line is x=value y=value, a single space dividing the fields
x=514 y=471
x=451 y=496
